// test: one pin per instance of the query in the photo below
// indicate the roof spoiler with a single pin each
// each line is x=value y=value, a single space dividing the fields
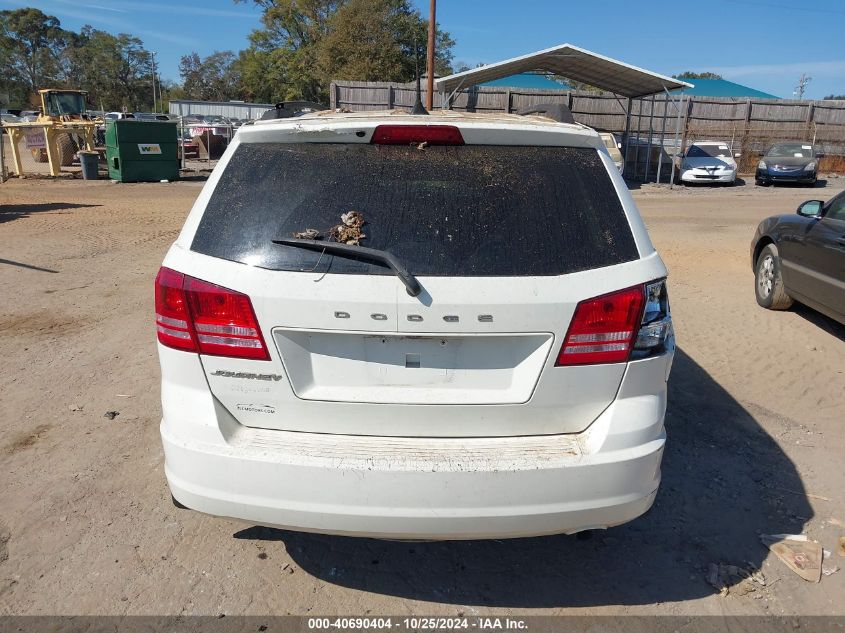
x=556 y=111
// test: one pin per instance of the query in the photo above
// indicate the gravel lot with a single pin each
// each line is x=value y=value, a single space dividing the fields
x=86 y=525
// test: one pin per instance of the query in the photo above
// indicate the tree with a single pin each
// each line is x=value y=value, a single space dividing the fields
x=31 y=44
x=688 y=74
x=36 y=52
x=115 y=69
x=261 y=78
x=378 y=40
x=304 y=44
x=214 y=78
x=835 y=97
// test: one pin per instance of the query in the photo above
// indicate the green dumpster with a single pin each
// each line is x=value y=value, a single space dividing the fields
x=142 y=151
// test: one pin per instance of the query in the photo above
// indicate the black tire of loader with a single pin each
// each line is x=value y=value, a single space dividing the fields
x=67 y=149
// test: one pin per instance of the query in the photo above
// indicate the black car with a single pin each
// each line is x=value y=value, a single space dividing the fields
x=802 y=258
x=788 y=162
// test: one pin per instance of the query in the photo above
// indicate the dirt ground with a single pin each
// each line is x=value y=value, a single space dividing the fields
x=755 y=425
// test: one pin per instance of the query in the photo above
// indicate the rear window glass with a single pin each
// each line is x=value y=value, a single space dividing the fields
x=475 y=210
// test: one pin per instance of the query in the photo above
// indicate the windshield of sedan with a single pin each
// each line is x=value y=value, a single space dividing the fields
x=709 y=151
x=792 y=150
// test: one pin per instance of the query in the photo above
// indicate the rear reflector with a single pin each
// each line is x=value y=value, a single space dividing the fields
x=603 y=329
x=198 y=316
x=408 y=134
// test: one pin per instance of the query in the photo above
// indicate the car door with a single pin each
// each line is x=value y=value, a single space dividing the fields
x=791 y=239
x=825 y=256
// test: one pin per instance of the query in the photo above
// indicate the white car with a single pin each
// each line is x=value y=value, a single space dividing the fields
x=613 y=147
x=415 y=327
x=708 y=161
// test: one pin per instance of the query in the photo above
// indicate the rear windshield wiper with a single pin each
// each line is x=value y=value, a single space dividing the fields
x=360 y=252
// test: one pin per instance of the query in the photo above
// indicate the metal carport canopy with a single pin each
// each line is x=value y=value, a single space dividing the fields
x=570 y=62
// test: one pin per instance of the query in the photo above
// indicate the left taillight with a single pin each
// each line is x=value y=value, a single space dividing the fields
x=173 y=323
x=197 y=316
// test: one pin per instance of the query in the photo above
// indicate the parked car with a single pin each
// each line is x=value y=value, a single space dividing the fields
x=788 y=162
x=9 y=118
x=801 y=257
x=708 y=162
x=613 y=146
x=441 y=327
x=118 y=116
x=151 y=116
x=188 y=144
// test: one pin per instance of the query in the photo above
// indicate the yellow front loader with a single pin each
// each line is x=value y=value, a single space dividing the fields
x=65 y=110
x=67 y=129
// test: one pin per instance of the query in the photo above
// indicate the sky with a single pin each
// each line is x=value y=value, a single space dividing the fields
x=765 y=44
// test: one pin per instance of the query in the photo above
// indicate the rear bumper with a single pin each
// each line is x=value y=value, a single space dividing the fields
x=338 y=489
x=424 y=488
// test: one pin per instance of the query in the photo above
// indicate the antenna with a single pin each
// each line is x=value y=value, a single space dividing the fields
x=418 y=106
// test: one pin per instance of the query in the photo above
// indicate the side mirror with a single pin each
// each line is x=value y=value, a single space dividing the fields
x=619 y=146
x=737 y=155
x=819 y=154
x=811 y=208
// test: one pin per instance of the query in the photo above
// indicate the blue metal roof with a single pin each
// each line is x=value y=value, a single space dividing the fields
x=526 y=80
x=724 y=88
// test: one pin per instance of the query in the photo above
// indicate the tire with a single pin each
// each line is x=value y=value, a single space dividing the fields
x=768 y=282
x=67 y=149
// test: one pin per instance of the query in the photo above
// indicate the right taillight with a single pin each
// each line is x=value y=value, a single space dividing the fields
x=198 y=316
x=656 y=327
x=616 y=327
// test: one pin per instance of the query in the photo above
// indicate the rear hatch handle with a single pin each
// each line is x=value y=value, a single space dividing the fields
x=359 y=252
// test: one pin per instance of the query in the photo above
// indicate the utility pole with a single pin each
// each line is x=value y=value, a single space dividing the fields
x=429 y=97
x=802 y=83
x=153 y=69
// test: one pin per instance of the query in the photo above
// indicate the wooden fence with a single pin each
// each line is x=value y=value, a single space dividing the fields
x=748 y=125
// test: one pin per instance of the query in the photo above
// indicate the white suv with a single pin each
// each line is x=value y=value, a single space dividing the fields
x=416 y=327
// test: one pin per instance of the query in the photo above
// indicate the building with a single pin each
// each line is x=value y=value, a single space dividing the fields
x=238 y=109
x=534 y=81
x=724 y=88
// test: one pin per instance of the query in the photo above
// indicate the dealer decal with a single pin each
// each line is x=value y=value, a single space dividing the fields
x=256 y=408
x=149 y=148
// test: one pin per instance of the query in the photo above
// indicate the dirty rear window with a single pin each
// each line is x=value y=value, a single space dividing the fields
x=442 y=210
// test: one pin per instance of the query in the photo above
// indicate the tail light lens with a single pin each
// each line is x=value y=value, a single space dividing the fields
x=172 y=318
x=613 y=328
x=656 y=329
x=407 y=134
x=198 y=316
